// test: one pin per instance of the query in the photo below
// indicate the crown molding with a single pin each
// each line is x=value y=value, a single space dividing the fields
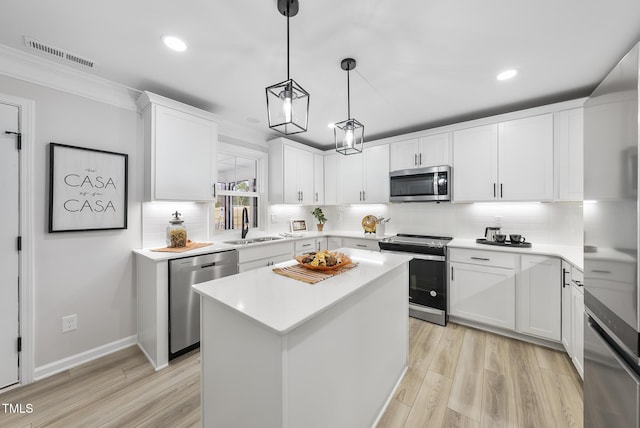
x=30 y=68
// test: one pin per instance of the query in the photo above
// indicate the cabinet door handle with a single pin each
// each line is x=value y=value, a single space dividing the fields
x=564 y=278
x=451 y=273
x=500 y=190
x=415 y=159
x=302 y=196
x=599 y=271
x=316 y=196
x=363 y=196
x=420 y=159
x=494 y=190
x=214 y=190
x=480 y=258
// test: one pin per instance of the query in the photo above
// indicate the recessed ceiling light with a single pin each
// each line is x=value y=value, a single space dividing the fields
x=174 y=43
x=507 y=74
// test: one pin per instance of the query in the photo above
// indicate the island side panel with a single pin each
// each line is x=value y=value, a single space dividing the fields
x=342 y=365
x=241 y=370
x=153 y=311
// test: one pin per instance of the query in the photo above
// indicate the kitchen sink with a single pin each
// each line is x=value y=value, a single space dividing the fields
x=253 y=241
x=266 y=239
x=240 y=242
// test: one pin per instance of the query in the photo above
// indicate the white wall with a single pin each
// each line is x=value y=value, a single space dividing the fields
x=85 y=273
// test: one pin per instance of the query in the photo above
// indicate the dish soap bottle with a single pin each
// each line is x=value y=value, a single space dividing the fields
x=176 y=232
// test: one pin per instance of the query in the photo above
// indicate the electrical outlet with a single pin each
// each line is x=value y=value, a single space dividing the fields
x=69 y=323
x=274 y=218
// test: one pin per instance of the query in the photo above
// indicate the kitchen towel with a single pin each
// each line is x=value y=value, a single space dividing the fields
x=309 y=276
x=190 y=246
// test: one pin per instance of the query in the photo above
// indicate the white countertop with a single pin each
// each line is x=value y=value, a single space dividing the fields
x=570 y=253
x=222 y=246
x=281 y=303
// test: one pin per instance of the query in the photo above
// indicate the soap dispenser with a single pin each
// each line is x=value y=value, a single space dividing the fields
x=176 y=232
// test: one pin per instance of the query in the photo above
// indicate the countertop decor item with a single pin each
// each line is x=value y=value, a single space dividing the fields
x=348 y=134
x=87 y=189
x=323 y=260
x=190 y=246
x=319 y=215
x=288 y=102
x=369 y=223
x=504 y=243
x=176 y=232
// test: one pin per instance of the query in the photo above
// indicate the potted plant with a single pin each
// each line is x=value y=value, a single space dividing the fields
x=319 y=215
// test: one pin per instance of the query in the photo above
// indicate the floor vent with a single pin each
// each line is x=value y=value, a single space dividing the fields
x=58 y=53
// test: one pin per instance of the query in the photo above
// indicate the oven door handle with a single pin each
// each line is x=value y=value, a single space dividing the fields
x=428 y=257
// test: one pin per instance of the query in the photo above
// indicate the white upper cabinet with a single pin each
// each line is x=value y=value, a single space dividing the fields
x=180 y=150
x=331 y=179
x=364 y=177
x=525 y=159
x=508 y=161
x=475 y=164
x=291 y=173
x=569 y=143
x=431 y=150
x=318 y=179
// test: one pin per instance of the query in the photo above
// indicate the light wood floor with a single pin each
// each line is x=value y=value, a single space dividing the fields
x=462 y=377
x=457 y=377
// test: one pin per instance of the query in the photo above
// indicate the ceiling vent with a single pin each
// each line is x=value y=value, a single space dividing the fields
x=58 y=53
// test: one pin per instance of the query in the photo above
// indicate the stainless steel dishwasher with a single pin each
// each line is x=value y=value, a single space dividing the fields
x=184 y=303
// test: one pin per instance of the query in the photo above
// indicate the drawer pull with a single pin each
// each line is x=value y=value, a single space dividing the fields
x=361 y=245
x=601 y=271
x=480 y=258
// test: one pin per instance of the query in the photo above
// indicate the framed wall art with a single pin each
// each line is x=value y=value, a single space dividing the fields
x=87 y=189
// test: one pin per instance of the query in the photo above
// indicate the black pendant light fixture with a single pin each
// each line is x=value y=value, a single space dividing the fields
x=288 y=102
x=348 y=134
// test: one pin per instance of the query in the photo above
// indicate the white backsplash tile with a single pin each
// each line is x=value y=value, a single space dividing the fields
x=156 y=216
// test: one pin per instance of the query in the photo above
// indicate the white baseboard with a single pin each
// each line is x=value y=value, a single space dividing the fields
x=83 y=357
x=393 y=393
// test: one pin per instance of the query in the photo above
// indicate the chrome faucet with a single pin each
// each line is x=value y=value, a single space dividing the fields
x=245 y=223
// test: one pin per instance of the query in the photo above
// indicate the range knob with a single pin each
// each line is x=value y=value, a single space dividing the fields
x=433 y=293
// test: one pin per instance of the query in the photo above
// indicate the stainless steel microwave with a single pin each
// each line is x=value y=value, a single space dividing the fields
x=420 y=184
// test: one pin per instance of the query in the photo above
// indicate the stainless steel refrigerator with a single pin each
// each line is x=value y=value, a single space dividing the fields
x=612 y=319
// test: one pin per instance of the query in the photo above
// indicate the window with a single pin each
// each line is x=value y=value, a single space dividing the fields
x=237 y=189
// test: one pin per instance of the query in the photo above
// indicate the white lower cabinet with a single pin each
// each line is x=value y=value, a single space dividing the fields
x=361 y=243
x=577 y=310
x=264 y=255
x=539 y=297
x=510 y=291
x=567 y=314
x=304 y=246
x=482 y=293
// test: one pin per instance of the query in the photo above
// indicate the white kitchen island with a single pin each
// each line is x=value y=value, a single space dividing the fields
x=277 y=352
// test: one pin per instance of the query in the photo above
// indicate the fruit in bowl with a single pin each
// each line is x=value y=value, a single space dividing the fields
x=323 y=260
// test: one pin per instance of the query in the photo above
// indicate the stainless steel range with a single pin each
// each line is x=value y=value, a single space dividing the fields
x=427 y=274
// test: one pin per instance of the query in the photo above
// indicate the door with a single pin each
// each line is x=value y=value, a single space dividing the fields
x=318 y=179
x=525 y=159
x=404 y=154
x=350 y=184
x=475 y=169
x=9 y=257
x=539 y=297
x=484 y=294
x=567 y=314
x=376 y=174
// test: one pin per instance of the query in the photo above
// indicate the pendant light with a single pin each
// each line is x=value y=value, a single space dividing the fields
x=348 y=134
x=288 y=102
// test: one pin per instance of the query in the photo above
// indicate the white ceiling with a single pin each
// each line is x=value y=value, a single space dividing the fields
x=420 y=63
